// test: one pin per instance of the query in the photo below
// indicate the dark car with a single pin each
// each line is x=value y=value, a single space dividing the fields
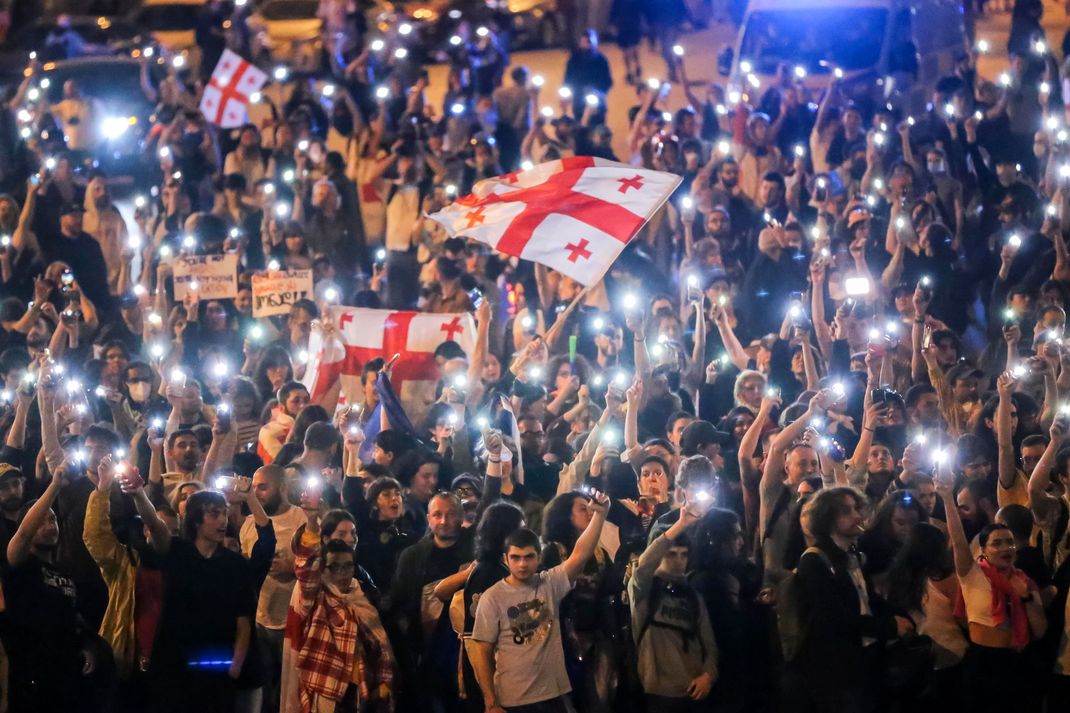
x=122 y=113
x=96 y=36
x=436 y=25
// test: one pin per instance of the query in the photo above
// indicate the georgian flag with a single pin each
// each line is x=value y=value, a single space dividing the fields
x=363 y=334
x=226 y=98
x=574 y=215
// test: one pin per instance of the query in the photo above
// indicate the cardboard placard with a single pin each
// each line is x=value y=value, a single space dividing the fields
x=216 y=276
x=275 y=292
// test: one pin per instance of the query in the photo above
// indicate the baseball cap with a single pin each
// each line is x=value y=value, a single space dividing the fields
x=71 y=207
x=8 y=472
x=857 y=216
x=963 y=370
x=698 y=433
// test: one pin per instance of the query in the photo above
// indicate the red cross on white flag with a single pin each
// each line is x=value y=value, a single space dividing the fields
x=364 y=334
x=574 y=215
x=226 y=98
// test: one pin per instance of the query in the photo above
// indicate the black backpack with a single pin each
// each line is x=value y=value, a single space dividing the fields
x=659 y=588
x=793 y=621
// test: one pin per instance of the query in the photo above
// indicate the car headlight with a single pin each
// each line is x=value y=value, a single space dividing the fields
x=115 y=126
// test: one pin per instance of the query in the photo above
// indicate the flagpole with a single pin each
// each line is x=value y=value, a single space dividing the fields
x=554 y=332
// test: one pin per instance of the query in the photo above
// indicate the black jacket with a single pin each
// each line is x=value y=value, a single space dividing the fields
x=832 y=651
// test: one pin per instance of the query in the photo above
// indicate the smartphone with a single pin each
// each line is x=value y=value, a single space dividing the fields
x=475 y=296
x=225 y=483
x=835 y=451
x=925 y=285
x=856 y=285
x=821 y=189
x=313 y=491
x=927 y=337
x=223 y=415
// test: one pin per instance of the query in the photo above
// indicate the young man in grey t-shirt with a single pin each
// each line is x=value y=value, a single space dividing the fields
x=517 y=657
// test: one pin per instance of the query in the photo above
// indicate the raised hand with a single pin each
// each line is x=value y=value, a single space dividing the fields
x=492 y=440
x=106 y=473
x=598 y=503
x=1005 y=385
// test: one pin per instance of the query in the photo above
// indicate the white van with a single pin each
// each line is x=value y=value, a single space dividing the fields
x=888 y=51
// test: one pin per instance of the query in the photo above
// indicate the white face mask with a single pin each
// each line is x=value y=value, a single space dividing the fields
x=140 y=391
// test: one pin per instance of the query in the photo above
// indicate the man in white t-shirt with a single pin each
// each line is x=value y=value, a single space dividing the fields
x=75 y=114
x=517 y=656
x=269 y=486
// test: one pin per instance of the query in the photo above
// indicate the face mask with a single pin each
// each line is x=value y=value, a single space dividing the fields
x=140 y=391
x=936 y=166
x=858 y=168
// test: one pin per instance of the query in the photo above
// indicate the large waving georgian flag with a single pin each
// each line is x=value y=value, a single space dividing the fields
x=225 y=101
x=574 y=215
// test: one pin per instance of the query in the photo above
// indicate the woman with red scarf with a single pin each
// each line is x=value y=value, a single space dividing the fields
x=1001 y=605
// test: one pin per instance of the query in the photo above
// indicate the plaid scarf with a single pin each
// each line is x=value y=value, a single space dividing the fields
x=337 y=639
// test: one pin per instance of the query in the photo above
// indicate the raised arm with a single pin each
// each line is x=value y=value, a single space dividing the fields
x=134 y=486
x=18 y=549
x=697 y=368
x=20 y=238
x=46 y=402
x=749 y=443
x=960 y=545
x=588 y=540
x=1008 y=469
x=774 y=462
x=634 y=397
x=865 y=440
x=731 y=342
x=16 y=434
x=1041 y=502
x=479 y=354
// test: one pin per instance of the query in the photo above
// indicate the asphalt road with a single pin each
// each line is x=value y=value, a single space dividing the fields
x=701 y=50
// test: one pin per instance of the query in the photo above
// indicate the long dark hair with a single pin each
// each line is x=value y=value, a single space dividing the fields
x=881 y=526
x=922 y=557
x=716 y=528
x=557 y=520
x=499 y=520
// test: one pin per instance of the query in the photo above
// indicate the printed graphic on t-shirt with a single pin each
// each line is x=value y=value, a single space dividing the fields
x=58 y=581
x=530 y=621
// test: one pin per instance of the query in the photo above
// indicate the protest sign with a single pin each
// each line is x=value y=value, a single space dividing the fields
x=275 y=292
x=210 y=276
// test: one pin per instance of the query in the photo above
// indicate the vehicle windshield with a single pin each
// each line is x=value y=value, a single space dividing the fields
x=845 y=38
x=167 y=18
x=114 y=86
x=289 y=10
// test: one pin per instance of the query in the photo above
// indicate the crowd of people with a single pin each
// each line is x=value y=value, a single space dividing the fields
x=803 y=448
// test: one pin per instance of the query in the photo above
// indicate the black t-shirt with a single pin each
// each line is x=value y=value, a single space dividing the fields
x=86 y=260
x=43 y=632
x=203 y=598
x=485 y=575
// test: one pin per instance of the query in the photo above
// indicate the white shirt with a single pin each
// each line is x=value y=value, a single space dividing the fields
x=275 y=594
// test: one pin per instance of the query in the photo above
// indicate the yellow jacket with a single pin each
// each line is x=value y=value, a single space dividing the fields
x=118 y=565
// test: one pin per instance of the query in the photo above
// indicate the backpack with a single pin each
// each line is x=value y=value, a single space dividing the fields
x=660 y=587
x=793 y=622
